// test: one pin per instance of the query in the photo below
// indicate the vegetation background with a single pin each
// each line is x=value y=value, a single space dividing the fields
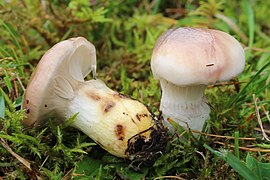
x=235 y=145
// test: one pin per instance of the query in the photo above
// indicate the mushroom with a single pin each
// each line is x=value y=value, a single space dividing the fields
x=185 y=60
x=122 y=126
x=57 y=75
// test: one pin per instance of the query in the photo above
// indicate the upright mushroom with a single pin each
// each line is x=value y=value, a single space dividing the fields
x=185 y=60
x=122 y=126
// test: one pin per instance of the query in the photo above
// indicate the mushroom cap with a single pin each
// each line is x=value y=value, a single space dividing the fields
x=192 y=56
x=57 y=74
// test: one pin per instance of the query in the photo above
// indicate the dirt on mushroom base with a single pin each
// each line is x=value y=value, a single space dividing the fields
x=144 y=151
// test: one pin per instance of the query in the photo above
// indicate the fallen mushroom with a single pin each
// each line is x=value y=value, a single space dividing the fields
x=122 y=126
x=185 y=60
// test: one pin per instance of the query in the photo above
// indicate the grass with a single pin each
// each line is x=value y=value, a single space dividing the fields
x=124 y=35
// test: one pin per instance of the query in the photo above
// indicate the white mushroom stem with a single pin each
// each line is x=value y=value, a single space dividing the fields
x=192 y=58
x=108 y=117
x=185 y=105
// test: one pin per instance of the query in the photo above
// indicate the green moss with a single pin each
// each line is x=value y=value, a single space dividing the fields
x=124 y=35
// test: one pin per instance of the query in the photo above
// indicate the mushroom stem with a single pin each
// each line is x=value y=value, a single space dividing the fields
x=185 y=105
x=122 y=126
x=109 y=118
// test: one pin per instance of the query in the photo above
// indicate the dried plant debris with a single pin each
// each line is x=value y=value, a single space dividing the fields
x=146 y=151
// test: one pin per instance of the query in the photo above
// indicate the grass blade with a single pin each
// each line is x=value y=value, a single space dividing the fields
x=2 y=106
x=9 y=103
x=7 y=81
x=156 y=6
x=13 y=34
x=251 y=25
x=236 y=144
x=242 y=92
x=235 y=163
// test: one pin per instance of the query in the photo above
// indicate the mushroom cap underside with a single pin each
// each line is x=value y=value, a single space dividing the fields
x=67 y=62
x=192 y=56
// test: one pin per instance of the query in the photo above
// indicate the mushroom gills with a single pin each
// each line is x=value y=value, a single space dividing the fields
x=63 y=88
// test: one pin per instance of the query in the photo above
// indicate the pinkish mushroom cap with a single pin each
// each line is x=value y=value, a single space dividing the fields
x=68 y=61
x=191 y=56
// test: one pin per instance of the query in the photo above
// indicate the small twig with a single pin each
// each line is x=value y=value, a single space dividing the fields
x=16 y=89
x=232 y=25
x=54 y=13
x=225 y=84
x=259 y=129
x=35 y=24
x=220 y=136
x=245 y=148
x=267 y=89
x=43 y=162
x=259 y=118
x=68 y=175
x=7 y=58
x=257 y=49
x=20 y=82
x=264 y=110
x=182 y=134
x=201 y=153
x=19 y=158
x=267 y=115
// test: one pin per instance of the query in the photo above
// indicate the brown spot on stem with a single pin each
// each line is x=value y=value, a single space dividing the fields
x=27 y=101
x=120 y=132
x=109 y=106
x=93 y=96
x=139 y=116
x=120 y=96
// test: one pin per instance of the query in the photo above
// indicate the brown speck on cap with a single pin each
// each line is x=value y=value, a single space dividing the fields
x=208 y=65
x=184 y=52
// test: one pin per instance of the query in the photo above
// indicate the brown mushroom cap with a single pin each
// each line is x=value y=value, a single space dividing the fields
x=192 y=56
x=55 y=78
